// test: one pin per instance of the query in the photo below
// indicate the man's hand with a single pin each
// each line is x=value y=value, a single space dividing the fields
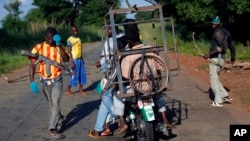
x=232 y=61
x=72 y=65
x=57 y=39
x=206 y=56
x=34 y=87
x=97 y=64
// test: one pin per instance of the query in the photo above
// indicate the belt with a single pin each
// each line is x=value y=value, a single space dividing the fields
x=77 y=58
x=50 y=81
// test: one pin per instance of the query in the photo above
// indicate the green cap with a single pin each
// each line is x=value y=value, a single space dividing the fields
x=216 y=20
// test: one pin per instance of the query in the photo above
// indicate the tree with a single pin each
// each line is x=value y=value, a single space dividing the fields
x=93 y=12
x=12 y=21
x=63 y=11
x=143 y=16
x=197 y=14
x=52 y=11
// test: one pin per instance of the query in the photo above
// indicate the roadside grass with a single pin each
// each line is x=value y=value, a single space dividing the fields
x=10 y=61
x=12 y=43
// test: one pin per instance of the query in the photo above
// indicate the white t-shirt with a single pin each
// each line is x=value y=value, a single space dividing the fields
x=107 y=52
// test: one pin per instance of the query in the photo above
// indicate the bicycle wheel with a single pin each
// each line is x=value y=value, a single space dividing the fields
x=148 y=76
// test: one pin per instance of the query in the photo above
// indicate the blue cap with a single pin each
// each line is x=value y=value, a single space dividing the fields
x=216 y=20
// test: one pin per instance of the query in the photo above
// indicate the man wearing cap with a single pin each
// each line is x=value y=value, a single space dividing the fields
x=221 y=40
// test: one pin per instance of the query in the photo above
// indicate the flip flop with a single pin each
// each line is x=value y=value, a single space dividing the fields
x=57 y=135
x=106 y=133
x=91 y=133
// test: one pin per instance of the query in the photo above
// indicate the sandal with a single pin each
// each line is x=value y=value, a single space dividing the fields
x=91 y=133
x=57 y=135
x=227 y=99
x=122 y=130
x=106 y=133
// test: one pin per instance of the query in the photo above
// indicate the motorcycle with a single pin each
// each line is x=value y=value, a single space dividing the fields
x=141 y=112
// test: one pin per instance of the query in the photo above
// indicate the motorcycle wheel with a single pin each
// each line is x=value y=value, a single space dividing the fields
x=145 y=130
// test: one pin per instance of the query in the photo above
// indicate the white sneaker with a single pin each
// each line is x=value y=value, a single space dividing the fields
x=216 y=104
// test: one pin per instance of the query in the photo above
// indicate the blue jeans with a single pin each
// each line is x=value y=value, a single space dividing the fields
x=160 y=102
x=106 y=107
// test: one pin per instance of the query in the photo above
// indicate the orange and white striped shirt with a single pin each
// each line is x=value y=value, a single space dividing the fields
x=53 y=54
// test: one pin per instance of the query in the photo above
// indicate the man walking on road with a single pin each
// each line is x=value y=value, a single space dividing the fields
x=221 y=40
x=50 y=76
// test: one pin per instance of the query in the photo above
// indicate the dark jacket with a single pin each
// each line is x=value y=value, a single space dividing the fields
x=222 y=39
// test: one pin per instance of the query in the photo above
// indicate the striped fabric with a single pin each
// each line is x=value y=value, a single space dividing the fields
x=53 y=54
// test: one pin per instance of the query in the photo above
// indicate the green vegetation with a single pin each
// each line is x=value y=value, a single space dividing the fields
x=11 y=59
x=187 y=46
x=12 y=43
x=195 y=15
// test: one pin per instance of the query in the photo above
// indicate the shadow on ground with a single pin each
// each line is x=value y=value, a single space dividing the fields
x=78 y=113
x=92 y=86
x=176 y=111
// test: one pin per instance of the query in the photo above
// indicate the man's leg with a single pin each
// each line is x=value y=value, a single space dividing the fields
x=82 y=76
x=107 y=99
x=161 y=104
x=55 y=109
x=106 y=107
x=215 y=82
x=101 y=117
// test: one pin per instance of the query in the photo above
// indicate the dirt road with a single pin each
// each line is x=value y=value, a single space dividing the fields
x=24 y=116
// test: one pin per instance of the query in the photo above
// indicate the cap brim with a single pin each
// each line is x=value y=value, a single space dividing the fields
x=214 y=23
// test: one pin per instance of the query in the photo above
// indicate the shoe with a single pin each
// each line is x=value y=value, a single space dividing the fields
x=216 y=104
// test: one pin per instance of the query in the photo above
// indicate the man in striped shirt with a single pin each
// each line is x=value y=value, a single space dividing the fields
x=50 y=76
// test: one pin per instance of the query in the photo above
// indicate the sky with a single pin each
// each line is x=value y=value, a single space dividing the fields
x=27 y=5
x=133 y=2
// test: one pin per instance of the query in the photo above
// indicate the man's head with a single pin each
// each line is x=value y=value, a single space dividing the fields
x=73 y=30
x=109 y=31
x=130 y=23
x=49 y=34
x=216 y=22
x=132 y=36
